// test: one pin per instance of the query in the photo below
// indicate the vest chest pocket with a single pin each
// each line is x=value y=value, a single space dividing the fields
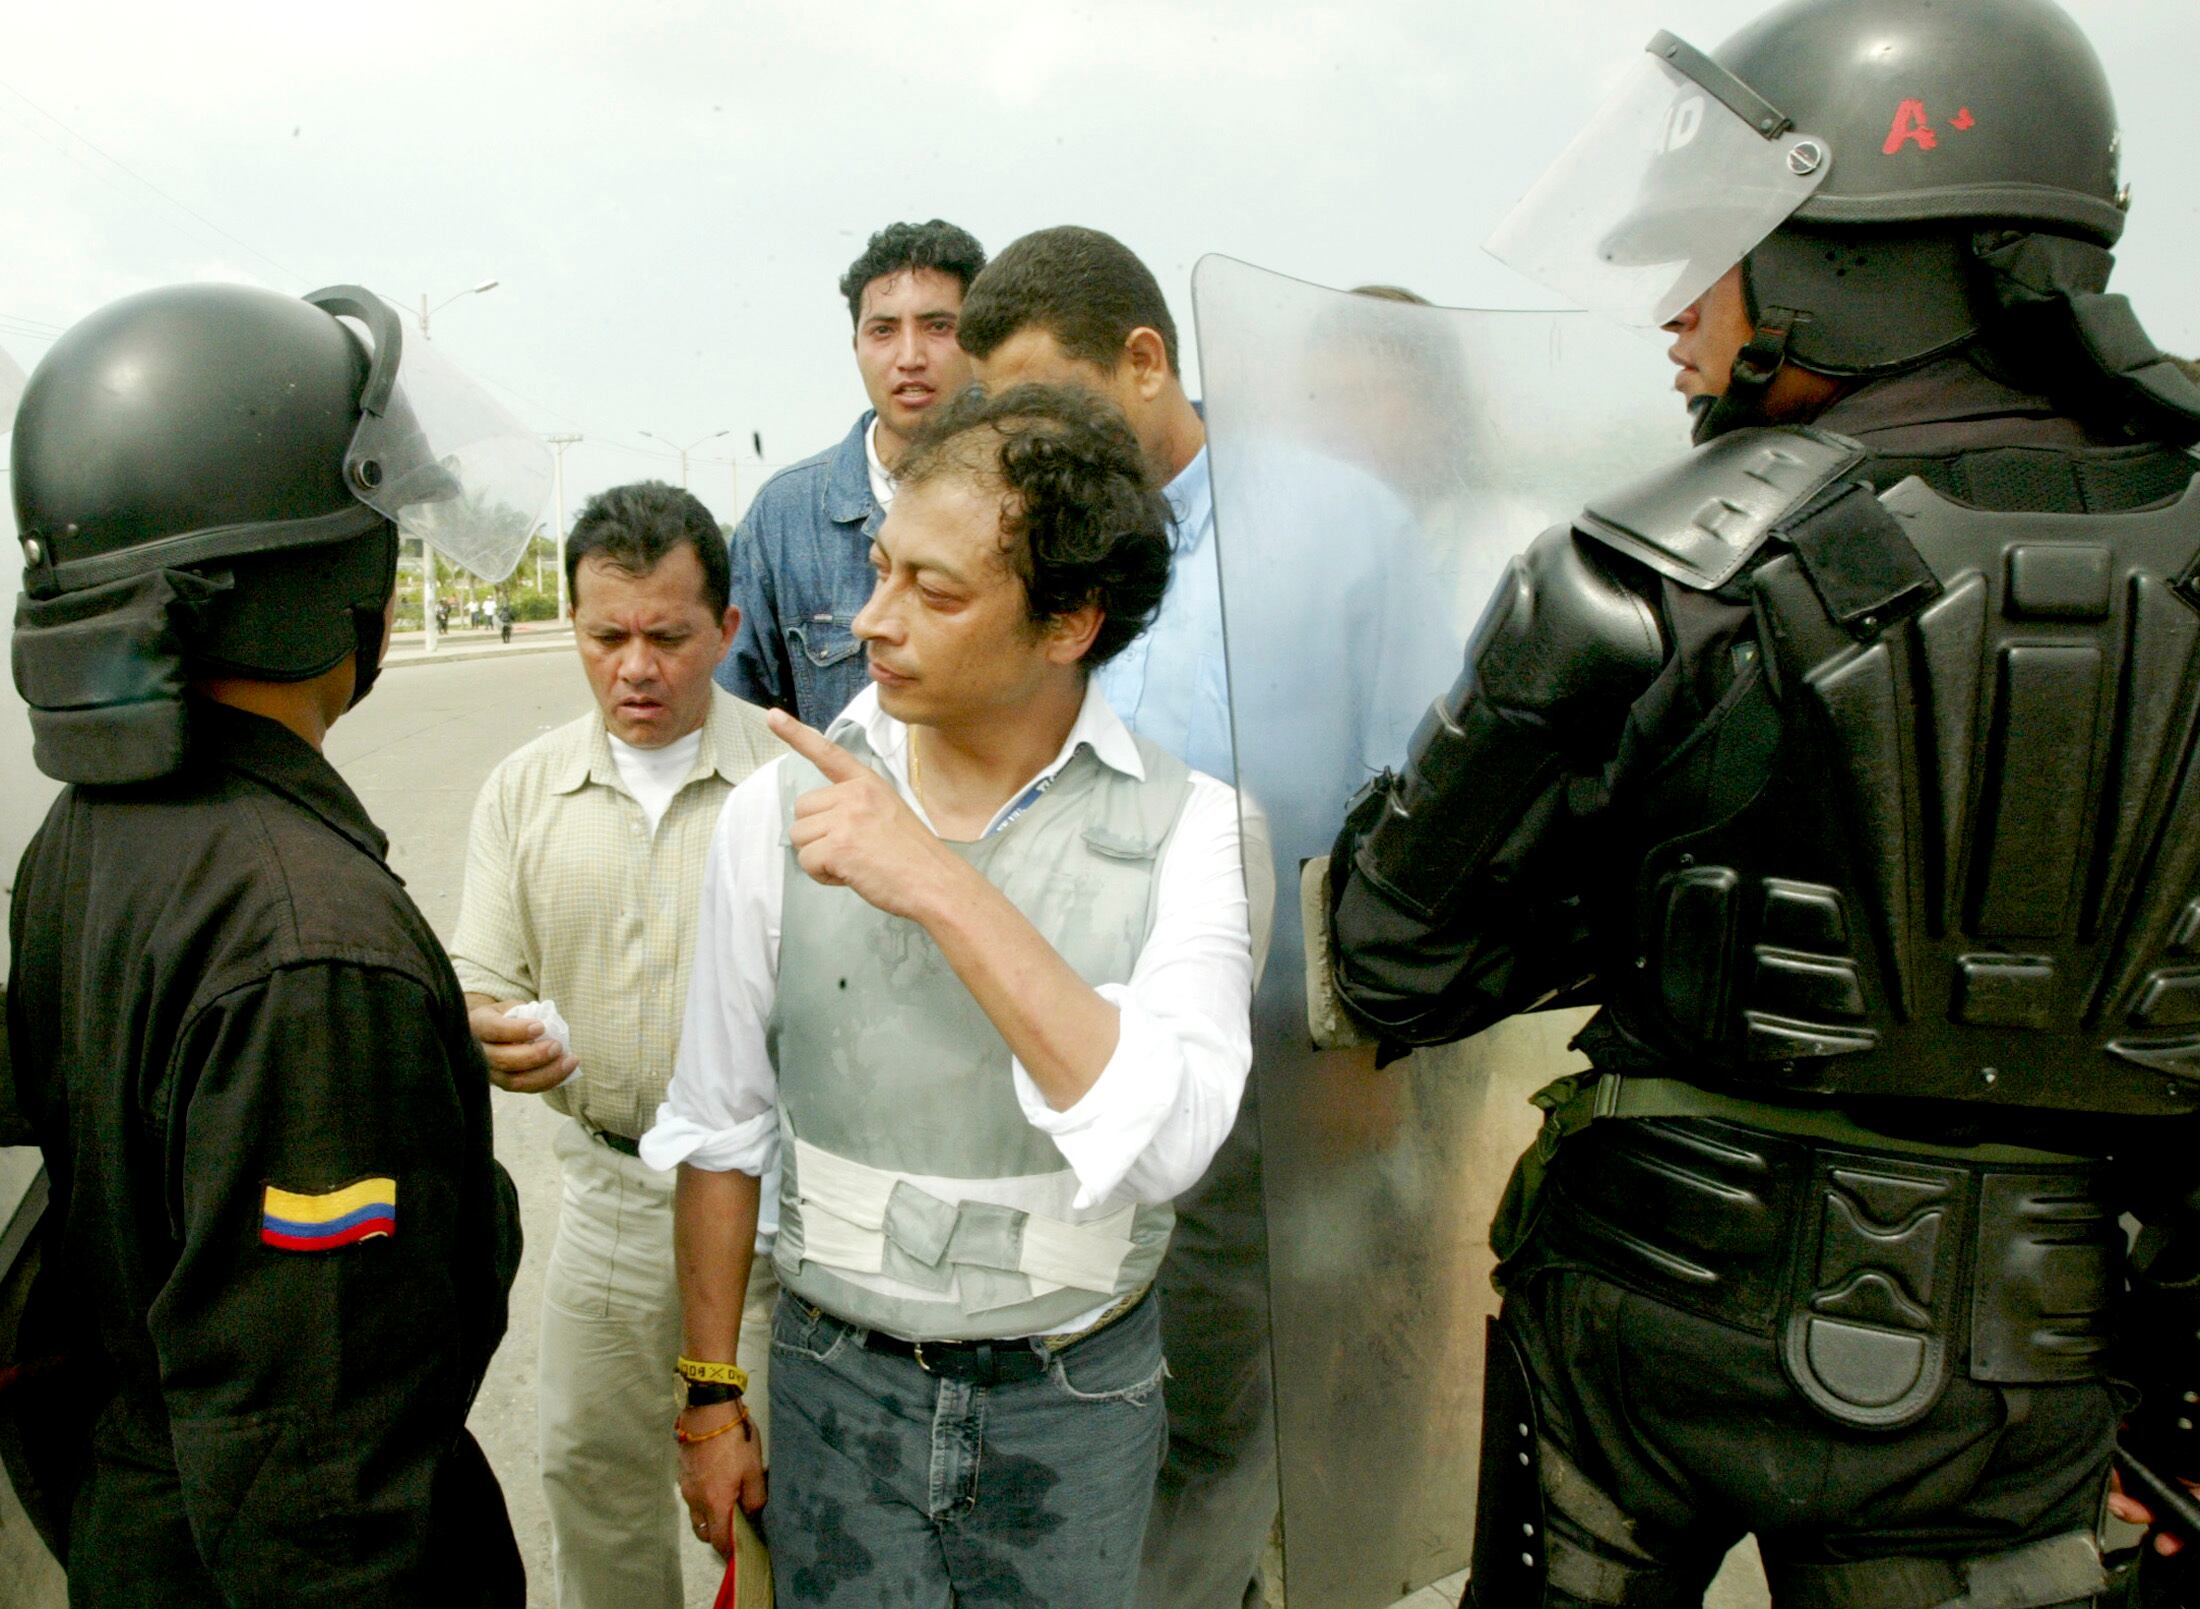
x=1096 y=910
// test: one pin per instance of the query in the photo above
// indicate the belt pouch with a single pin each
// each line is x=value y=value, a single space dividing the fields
x=2050 y=1262
x=1693 y=1212
x=1879 y=1253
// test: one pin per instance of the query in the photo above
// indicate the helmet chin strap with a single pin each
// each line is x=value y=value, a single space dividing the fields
x=1756 y=366
x=371 y=625
x=367 y=658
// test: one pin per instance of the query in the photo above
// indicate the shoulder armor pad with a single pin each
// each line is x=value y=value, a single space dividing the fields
x=1697 y=520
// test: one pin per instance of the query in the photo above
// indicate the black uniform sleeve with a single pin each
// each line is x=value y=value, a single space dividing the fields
x=1453 y=887
x=317 y=1395
x=15 y=1127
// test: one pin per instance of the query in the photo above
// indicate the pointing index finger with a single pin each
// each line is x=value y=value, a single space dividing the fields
x=829 y=757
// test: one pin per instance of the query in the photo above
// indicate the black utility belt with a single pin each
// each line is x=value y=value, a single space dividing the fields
x=994 y=1362
x=1876 y=1272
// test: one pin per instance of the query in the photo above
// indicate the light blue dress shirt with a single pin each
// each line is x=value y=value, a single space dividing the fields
x=1171 y=685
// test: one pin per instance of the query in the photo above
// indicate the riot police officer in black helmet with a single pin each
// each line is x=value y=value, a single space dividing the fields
x=275 y=1262
x=1851 y=766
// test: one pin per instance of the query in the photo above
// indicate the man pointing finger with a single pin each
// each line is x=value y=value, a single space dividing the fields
x=975 y=965
x=857 y=833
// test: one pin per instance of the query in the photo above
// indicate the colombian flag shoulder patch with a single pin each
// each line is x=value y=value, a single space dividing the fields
x=292 y=1220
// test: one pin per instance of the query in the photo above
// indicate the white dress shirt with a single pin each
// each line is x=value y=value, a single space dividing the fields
x=1146 y=1129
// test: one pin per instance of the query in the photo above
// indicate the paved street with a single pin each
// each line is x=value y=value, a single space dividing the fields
x=417 y=753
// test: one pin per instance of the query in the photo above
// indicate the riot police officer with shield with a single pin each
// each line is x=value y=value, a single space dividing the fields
x=1851 y=766
x=276 y=1257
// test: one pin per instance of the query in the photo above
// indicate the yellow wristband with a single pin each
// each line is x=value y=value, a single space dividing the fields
x=722 y=1374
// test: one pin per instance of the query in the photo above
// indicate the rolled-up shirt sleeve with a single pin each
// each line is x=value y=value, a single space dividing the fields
x=720 y=1112
x=1164 y=1103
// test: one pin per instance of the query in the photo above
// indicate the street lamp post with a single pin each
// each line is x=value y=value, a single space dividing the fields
x=472 y=290
x=427 y=548
x=558 y=444
x=684 y=451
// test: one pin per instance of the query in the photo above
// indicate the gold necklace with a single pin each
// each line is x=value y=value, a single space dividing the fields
x=916 y=779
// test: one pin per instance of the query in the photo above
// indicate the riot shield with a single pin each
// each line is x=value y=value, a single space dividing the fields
x=1376 y=466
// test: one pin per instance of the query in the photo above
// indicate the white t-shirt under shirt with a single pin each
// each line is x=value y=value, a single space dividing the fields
x=882 y=479
x=654 y=776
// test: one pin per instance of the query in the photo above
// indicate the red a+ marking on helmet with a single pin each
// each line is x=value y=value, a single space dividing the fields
x=1963 y=119
x=1910 y=123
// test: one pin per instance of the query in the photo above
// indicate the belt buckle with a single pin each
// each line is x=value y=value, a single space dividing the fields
x=916 y=1350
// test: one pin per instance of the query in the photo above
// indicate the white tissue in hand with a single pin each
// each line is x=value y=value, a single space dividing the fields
x=553 y=1027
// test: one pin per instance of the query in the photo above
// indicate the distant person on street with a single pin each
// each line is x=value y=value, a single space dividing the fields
x=976 y=965
x=575 y=936
x=800 y=562
x=504 y=620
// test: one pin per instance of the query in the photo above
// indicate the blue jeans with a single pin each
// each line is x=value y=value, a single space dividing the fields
x=891 y=1485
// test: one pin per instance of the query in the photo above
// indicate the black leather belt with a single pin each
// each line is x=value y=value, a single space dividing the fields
x=983 y=1363
x=619 y=1142
x=991 y=1362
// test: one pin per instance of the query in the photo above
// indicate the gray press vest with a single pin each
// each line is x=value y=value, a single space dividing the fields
x=914 y=1196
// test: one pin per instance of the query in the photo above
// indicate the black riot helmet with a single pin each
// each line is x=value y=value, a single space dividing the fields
x=1894 y=176
x=208 y=479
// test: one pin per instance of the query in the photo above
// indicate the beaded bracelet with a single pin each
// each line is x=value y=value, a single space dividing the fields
x=739 y=1421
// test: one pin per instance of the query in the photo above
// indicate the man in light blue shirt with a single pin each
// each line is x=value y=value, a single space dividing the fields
x=1074 y=306
x=1171 y=680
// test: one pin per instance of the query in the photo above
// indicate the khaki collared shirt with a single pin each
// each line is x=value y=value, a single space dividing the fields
x=569 y=897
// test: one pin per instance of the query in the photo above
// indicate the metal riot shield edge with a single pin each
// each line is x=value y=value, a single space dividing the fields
x=1376 y=465
x=28 y=1573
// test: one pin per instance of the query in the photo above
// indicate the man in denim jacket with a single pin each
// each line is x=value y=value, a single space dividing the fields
x=800 y=553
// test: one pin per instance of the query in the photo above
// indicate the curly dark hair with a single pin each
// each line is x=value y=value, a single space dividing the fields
x=633 y=528
x=901 y=247
x=1086 y=289
x=1079 y=524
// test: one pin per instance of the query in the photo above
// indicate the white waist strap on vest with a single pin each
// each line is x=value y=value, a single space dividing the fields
x=915 y=1198
x=852 y=1213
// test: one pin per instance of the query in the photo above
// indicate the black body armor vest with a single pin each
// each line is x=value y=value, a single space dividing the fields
x=1940 y=836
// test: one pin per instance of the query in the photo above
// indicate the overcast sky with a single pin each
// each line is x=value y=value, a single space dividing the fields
x=668 y=191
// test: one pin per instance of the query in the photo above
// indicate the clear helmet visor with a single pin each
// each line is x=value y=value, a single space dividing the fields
x=439 y=456
x=11 y=392
x=1666 y=189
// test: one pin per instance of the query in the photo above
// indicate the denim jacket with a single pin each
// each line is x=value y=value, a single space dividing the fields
x=801 y=570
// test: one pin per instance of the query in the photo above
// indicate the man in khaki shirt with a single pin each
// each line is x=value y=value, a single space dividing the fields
x=582 y=873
